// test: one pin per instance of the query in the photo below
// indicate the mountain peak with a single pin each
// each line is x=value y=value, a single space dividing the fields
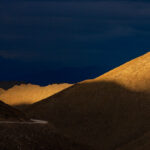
x=106 y=112
x=134 y=75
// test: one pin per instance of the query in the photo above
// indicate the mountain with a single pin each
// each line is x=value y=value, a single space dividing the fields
x=1 y=91
x=9 y=113
x=21 y=94
x=106 y=112
x=18 y=132
x=134 y=75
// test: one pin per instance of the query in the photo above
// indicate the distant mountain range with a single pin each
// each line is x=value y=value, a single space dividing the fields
x=18 y=93
x=110 y=112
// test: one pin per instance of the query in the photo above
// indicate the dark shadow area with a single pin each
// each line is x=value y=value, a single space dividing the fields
x=8 y=113
x=19 y=133
x=104 y=115
x=35 y=137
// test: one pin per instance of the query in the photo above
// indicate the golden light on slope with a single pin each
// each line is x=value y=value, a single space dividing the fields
x=1 y=91
x=107 y=112
x=134 y=75
x=28 y=93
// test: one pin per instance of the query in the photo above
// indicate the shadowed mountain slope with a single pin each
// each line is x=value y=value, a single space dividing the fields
x=105 y=113
x=29 y=93
x=139 y=143
x=9 y=113
x=18 y=132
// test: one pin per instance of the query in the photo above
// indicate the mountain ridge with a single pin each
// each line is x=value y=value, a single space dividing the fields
x=134 y=74
x=25 y=94
x=102 y=113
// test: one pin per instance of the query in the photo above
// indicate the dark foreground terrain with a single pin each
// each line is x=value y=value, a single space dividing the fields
x=19 y=132
x=34 y=137
x=8 y=113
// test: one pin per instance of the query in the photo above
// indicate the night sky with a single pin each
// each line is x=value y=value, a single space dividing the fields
x=47 y=41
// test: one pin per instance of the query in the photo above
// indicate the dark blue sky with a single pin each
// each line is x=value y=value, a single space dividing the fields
x=45 y=41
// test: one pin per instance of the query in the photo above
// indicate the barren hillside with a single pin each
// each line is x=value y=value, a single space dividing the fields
x=29 y=93
x=18 y=132
x=134 y=75
x=1 y=91
x=107 y=112
x=9 y=113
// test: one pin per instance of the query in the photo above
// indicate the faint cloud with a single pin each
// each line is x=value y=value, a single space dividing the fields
x=8 y=54
x=21 y=55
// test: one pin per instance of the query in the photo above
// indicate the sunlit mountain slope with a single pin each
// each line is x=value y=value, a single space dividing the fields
x=105 y=113
x=134 y=75
x=1 y=91
x=28 y=93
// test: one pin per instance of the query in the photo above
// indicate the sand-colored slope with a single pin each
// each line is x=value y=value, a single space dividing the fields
x=106 y=112
x=134 y=75
x=29 y=93
x=1 y=91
